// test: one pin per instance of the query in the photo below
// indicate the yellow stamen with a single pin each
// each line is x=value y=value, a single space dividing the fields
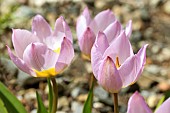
x=117 y=62
x=46 y=73
x=57 y=50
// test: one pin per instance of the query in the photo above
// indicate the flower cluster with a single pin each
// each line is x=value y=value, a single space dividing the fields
x=44 y=52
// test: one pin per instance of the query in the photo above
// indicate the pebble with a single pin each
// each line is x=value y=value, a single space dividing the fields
x=62 y=102
x=166 y=7
x=164 y=86
x=101 y=93
x=82 y=97
x=155 y=49
x=8 y=67
x=75 y=92
x=30 y=94
x=98 y=105
x=153 y=69
x=76 y=107
x=153 y=100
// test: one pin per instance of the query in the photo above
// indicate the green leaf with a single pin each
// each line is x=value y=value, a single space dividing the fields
x=12 y=104
x=50 y=95
x=41 y=107
x=160 y=102
x=89 y=102
x=3 y=108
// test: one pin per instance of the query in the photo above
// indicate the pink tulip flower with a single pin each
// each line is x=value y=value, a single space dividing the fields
x=137 y=104
x=42 y=52
x=114 y=64
x=87 y=28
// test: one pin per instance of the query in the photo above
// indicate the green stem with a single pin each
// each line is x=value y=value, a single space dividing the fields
x=116 y=109
x=55 y=95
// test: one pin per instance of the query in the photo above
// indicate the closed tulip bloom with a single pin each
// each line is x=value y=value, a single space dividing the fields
x=88 y=28
x=137 y=104
x=42 y=52
x=114 y=64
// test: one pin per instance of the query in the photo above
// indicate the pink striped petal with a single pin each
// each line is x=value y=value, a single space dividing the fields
x=21 y=39
x=164 y=108
x=108 y=76
x=100 y=45
x=66 y=55
x=128 y=29
x=86 y=14
x=120 y=47
x=62 y=29
x=20 y=63
x=132 y=68
x=40 y=27
x=39 y=57
x=101 y=42
x=137 y=104
x=81 y=26
x=86 y=41
x=102 y=20
x=113 y=30
x=141 y=58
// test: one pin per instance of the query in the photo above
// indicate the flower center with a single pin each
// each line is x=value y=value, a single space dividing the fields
x=57 y=50
x=46 y=73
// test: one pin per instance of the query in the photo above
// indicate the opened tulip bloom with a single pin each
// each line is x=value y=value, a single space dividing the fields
x=137 y=104
x=87 y=29
x=114 y=64
x=42 y=52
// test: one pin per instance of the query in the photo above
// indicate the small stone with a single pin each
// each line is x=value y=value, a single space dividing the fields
x=98 y=105
x=34 y=111
x=166 y=7
x=75 y=92
x=100 y=93
x=62 y=102
x=76 y=107
x=154 y=3
x=82 y=97
x=164 y=86
x=153 y=100
x=60 y=112
x=153 y=69
x=30 y=95
x=88 y=67
x=155 y=49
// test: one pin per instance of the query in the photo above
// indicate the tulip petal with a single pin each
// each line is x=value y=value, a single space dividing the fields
x=66 y=55
x=141 y=58
x=164 y=108
x=101 y=42
x=86 y=41
x=113 y=30
x=100 y=45
x=120 y=48
x=62 y=29
x=40 y=27
x=132 y=68
x=137 y=104
x=39 y=57
x=128 y=29
x=81 y=26
x=108 y=76
x=102 y=20
x=20 y=63
x=21 y=39
x=86 y=14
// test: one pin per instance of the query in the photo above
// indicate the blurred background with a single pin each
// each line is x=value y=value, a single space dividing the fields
x=151 y=24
